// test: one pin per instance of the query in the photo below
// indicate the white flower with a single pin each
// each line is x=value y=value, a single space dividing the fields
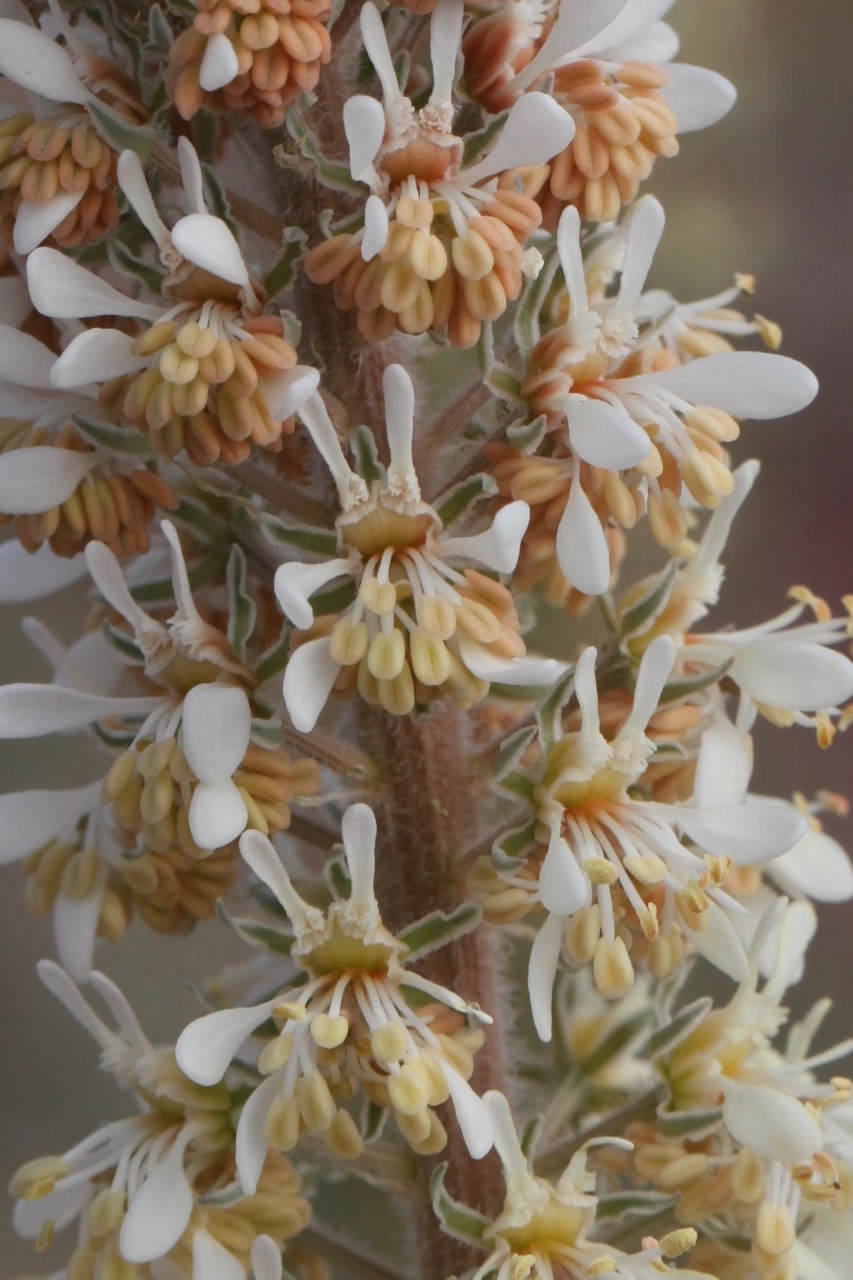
x=132 y=1183
x=351 y=1023
x=419 y=625
x=601 y=834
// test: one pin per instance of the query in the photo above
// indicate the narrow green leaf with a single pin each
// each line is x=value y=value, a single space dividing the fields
x=439 y=928
x=695 y=1124
x=242 y=609
x=549 y=712
x=321 y=542
x=643 y=612
x=373 y=1119
x=508 y=851
x=224 y=1198
x=516 y=785
x=109 y=435
x=456 y=1219
x=256 y=934
x=126 y=261
x=477 y=144
x=273 y=661
x=458 y=500
x=505 y=384
x=364 y=451
x=512 y=750
x=664 y=1039
x=621 y=1203
x=159 y=32
x=526 y=437
x=687 y=685
x=117 y=132
x=617 y=1040
x=283 y=272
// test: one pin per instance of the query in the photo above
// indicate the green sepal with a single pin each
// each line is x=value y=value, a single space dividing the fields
x=685 y=686
x=512 y=751
x=516 y=785
x=526 y=437
x=438 y=928
x=689 y=1124
x=256 y=934
x=224 y=1198
x=124 y=644
x=509 y=850
x=160 y=37
x=664 y=1039
x=321 y=542
x=274 y=659
x=530 y=1134
x=549 y=712
x=456 y=1219
x=282 y=274
x=122 y=258
x=330 y=174
x=117 y=739
x=461 y=497
x=617 y=1040
x=619 y=1204
x=503 y=383
x=363 y=448
x=334 y=599
x=117 y=132
x=477 y=144
x=162 y=591
x=106 y=433
x=372 y=1119
x=242 y=609
x=216 y=199
x=644 y=612
x=526 y=321
x=336 y=875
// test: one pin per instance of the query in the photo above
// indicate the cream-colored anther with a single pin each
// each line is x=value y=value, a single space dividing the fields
x=105 y=1212
x=348 y=642
x=282 y=1123
x=774 y=1228
x=276 y=1053
x=386 y=655
x=390 y=1043
x=410 y=1088
x=328 y=1032
x=472 y=256
x=316 y=1105
x=612 y=968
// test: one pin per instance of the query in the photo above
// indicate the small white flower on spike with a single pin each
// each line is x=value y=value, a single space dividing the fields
x=135 y=1184
x=442 y=244
x=418 y=626
x=351 y=1021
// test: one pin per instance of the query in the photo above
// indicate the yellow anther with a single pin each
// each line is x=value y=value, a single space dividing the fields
x=599 y=870
x=386 y=655
x=774 y=1229
x=674 y=1243
x=276 y=1054
x=472 y=257
x=389 y=1043
x=612 y=968
x=410 y=1088
x=316 y=1105
x=328 y=1032
x=348 y=642
x=430 y=658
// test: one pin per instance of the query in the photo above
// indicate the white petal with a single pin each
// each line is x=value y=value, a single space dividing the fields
x=536 y=129
x=28 y=819
x=399 y=396
x=308 y=678
x=655 y=667
x=159 y=1212
x=702 y=576
x=471 y=1112
x=723 y=768
x=697 y=96
x=790 y=939
x=192 y=177
x=25 y=577
x=749 y=833
x=793 y=674
x=261 y=857
x=206 y=1048
x=216 y=723
x=30 y=710
x=364 y=125
x=42 y=477
x=571 y=259
x=251 y=1142
x=375 y=228
x=645 y=228
x=218 y=814
x=36 y=62
x=205 y=240
x=119 y=1006
x=527 y=671
x=96 y=356
x=295 y=583
x=498 y=547
x=315 y=415
x=577 y=25
x=817 y=867
x=266 y=1259
x=563 y=887
x=59 y=1208
x=541 y=972
x=719 y=943
x=15 y=305
x=66 y=991
x=633 y=19
x=605 y=435
x=771 y=1124
x=376 y=46
x=748 y=384
x=64 y=290
x=289 y=390
x=131 y=179
x=35 y=222
x=445 y=38
x=24 y=360
x=358 y=830
x=219 y=65
x=212 y=1261
x=582 y=550
x=658 y=43
x=110 y=581
x=75 y=923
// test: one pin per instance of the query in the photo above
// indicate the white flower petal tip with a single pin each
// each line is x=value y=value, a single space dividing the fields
x=749 y=833
x=817 y=866
x=220 y=63
x=251 y=1143
x=206 y=1048
x=62 y=289
x=25 y=577
x=698 y=97
x=747 y=384
x=266 y=1259
x=471 y=1112
x=95 y=356
x=536 y=129
x=208 y=243
x=28 y=819
x=793 y=674
x=541 y=972
x=719 y=943
x=24 y=360
x=212 y=1261
x=286 y=395
x=35 y=222
x=310 y=673
x=216 y=724
x=582 y=550
x=40 y=478
x=364 y=125
x=75 y=923
x=497 y=547
x=159 y=1212
x=36 y=62
x=295 y=583
x=218 y=815
x=563 y=887
x=772 y=1124
x=604 y=435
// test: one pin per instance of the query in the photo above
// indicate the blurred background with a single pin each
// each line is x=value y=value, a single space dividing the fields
x=767 y=191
